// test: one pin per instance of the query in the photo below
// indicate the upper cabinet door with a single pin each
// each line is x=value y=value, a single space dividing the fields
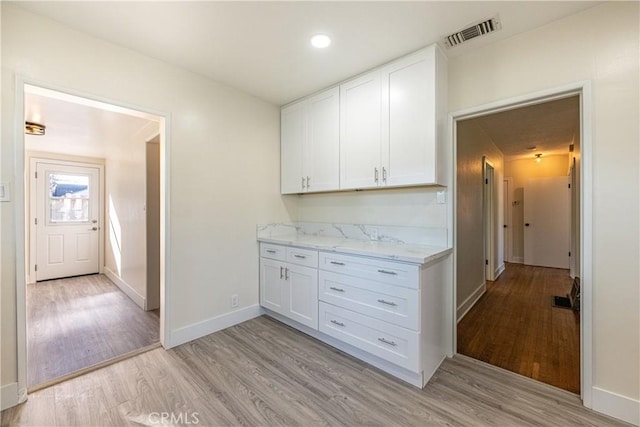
x=292 y=140
x=409 y=129
x=360 y=132
x=322 y=149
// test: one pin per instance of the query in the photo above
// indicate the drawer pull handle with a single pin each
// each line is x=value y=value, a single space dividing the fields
x=337 y=263
x=391 y=303
x=393 y=273
x=271 y=251
x=391 y=343
x=335 y=322
x=281 y=272
x=336 y=289
x=300 y=256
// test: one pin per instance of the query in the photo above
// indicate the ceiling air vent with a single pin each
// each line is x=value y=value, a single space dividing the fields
x=476 y=30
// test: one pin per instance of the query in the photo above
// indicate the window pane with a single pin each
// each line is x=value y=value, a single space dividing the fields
x=68 y=198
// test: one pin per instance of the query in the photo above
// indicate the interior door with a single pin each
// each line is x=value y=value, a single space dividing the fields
x=546 y=222
x=67 y=220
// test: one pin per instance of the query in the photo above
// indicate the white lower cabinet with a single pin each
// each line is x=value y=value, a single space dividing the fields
x=390 y=314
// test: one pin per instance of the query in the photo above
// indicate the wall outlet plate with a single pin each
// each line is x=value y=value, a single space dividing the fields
x=234 y=300
x=5 y=194
x=441 y=197
x=373 y=233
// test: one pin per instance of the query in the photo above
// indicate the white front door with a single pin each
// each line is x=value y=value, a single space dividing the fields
x=546 y=218
x=67 y=220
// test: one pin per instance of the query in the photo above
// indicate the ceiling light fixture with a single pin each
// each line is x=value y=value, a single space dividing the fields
x=320 y=41
x=31 y=128
x=538 y=158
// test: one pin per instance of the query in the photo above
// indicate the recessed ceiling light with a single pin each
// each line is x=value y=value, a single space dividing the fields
x=320 y=41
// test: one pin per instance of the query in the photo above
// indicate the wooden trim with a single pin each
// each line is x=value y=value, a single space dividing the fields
x=615 y=405
x=128 y=290
x=471 y=300
x=8 y=396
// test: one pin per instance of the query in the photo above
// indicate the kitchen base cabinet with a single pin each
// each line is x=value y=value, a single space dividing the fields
x=392 y=315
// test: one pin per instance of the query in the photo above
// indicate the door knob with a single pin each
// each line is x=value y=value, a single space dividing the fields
x=527 y=224
x=93 y=229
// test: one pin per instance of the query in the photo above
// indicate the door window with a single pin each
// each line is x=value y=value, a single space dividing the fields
x=69 y=196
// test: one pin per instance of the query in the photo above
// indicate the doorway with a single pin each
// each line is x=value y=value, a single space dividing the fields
x=558 y=101
x=90 y=294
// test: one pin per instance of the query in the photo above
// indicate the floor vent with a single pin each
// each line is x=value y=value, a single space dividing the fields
x=476 y=30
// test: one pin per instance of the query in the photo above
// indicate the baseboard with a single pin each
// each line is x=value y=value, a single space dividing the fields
x=471 y=300
x=615 y=405
x=8 y=396
x=214 y=324
x=126 y=288
x=517 y=260
x=498 y=271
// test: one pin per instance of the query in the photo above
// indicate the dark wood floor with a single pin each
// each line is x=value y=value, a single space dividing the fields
x=77 y=322
x=263 y=373
x=515 y=327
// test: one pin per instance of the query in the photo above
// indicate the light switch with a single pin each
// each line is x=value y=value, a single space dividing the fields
x=440 y=197
x=5 y=194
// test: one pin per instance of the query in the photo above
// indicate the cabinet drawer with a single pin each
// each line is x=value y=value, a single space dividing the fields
x=393 y=273
x=306 y=257
x=268 y=250
x=393 y=304
x=392 y=343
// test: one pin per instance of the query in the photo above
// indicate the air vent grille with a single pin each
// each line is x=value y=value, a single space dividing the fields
x=473 y=31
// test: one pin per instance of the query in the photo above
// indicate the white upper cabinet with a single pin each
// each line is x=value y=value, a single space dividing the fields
x=360 y=132
x=310 y=144
x=392 y=124
x=385 y=128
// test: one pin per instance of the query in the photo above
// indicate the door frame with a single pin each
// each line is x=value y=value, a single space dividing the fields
x=489 y=218
x=584 y=91
x=33 y=255
x=21 y=217
x=508 y=219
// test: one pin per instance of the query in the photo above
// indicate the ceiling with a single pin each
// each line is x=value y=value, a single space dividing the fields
x=550 y=127
x=74 y=128
x=263 y=47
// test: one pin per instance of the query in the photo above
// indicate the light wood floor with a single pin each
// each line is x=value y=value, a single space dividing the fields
x=515 y=327
x=77 y=322
x=263 y=373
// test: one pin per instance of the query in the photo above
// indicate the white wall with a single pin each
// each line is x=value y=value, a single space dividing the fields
x=520 y=170
x=126 y=216
x=600 y=45
x=224 y=164
x=473 y=144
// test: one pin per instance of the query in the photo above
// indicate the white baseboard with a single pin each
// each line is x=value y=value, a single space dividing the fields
x=214 y=324
x=517 y=260
x=8 y=396
x=615 y=405
x=471 y=300
x=126 y=288
x=498 y=271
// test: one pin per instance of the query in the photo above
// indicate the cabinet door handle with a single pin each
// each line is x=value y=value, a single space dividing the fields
x=335 y=322
x=271 y=251
x=300 y=256
x=336 y=289
x=391 y=343
x=303 y=182
x=393 y=273
x=307 y=182
x=286 y=274
x=384 y=174
x=391 y=303
x=281 y=272
x=375 y=174
x=336 y=263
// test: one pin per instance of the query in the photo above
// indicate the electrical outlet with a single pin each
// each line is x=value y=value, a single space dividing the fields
x=440 y=197
x=234 y=300
x=373 y=233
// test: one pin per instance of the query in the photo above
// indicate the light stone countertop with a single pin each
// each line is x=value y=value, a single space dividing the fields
x=405 y=252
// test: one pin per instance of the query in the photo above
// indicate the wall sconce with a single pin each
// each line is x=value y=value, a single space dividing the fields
x=31 y=128
x=538 y=158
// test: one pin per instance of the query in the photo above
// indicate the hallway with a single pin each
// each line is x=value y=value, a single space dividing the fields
x=76 y=322
x=515 y=327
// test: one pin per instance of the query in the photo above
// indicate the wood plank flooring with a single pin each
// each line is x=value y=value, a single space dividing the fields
x=263 y=373
x=515 y=327
x=76 y=322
